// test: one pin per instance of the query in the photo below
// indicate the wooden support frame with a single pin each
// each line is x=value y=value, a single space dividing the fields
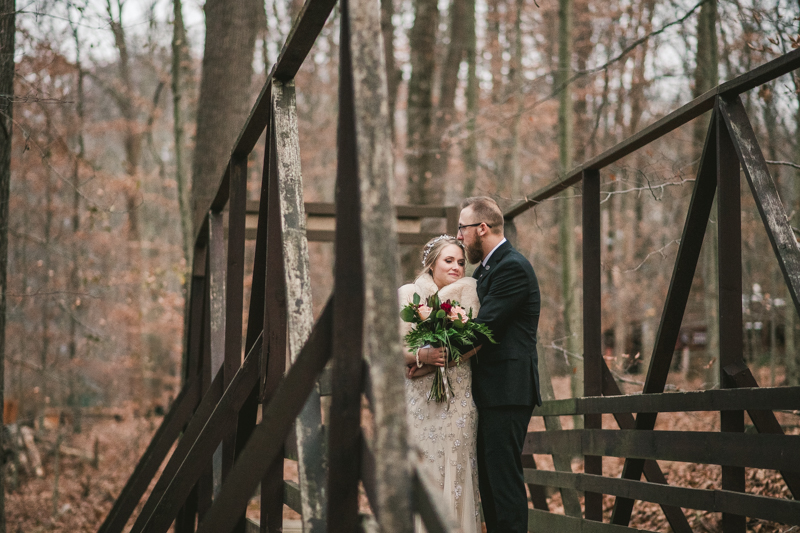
x=365 y=348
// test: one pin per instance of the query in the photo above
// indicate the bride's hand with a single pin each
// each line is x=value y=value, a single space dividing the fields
x=414 y=372
x=432 y=356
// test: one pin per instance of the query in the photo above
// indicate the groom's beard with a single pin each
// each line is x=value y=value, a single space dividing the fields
x=475 y=251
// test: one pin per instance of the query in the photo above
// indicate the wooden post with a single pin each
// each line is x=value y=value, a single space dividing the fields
x=592 y=331
x=729 y=227
x=216 y=342
x=299 y=313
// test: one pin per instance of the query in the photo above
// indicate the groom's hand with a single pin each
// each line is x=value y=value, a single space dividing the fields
x=414 y=372
x=467 y=355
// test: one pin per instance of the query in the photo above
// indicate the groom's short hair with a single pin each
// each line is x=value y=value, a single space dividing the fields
x=486 y=210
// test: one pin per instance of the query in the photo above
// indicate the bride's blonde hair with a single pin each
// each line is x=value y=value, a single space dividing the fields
x=432 y=250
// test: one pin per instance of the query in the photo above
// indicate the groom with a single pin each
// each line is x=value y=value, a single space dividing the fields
x=505 y=377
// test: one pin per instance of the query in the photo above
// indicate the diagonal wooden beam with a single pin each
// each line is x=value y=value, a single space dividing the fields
x=680 y=285
x=561 y=462
x=215 y=420
x=267 y=441
x=768 y=201
x=652 y=472
x=148 y=464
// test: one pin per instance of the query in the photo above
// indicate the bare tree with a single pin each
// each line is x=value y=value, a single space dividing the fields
x=420 y=102
x=7 y=33
x=225 y=92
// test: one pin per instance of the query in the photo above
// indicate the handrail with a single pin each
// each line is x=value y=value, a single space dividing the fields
x=703 y=103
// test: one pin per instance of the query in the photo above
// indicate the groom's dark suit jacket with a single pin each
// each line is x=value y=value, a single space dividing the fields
x=507 y=373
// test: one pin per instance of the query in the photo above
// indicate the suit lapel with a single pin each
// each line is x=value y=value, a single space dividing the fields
x=482 y=272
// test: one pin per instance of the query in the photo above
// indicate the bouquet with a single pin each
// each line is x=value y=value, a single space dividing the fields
x=441 y=324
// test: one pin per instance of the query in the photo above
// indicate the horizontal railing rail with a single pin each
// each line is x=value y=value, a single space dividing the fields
x=771 y=399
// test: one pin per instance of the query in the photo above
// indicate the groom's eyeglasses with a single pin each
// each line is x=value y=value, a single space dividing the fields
x=461 y=228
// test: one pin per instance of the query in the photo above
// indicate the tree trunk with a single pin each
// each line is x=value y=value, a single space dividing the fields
x=572 y=329
x=471 y=149
x=447 y=94
x=7 y=27
x=225 y=94
x=74 y=277
x=422 y=41
x=707 y=77
x=393 y=75
x=180 y=55
x=516 y=80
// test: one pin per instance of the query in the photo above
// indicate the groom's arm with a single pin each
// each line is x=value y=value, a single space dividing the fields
x=508 y=291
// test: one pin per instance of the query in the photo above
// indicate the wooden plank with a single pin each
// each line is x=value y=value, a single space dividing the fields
x=679 y=288
x=544 y=521
x=761 y=74
x=592 y=329
x=344 y=438
x=307 y=27
x=768 y=201
x=273 y=357
x=234 y=292
x=402 y=238
x=776 y=452
x=763 y=419
x=300 y=317
x=266 y=443
x=292 y=497
x=640 y=490
x=375 y=172
x=147 y=467
x=715 y=501
x=193 y=429
x=368 y=472
x=217 y=267
x=538 y=495
x=218 y=424
x=673 y=402
x=436 y=517
x=205 y=489
x=731 y=344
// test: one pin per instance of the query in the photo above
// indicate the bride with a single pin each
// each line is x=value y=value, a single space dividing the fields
x=444 y=433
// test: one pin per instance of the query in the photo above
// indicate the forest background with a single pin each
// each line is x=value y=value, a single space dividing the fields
x=124 y=112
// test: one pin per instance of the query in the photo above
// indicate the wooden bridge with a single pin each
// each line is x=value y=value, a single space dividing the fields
x=358 y=334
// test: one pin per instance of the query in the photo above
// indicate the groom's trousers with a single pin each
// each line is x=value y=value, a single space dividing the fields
x=501 y=435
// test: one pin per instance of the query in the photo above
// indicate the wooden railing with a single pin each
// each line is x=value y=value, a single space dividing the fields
x=730 y=145
x=356 y=337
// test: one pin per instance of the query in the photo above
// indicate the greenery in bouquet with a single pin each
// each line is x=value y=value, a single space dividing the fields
x=442 y=324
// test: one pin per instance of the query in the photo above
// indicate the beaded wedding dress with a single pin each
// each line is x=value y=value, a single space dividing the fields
x=444 y=433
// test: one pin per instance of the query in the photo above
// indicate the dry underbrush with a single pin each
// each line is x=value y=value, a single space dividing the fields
x=84 y=494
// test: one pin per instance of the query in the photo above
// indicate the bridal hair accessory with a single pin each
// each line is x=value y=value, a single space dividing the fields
x=430 y=245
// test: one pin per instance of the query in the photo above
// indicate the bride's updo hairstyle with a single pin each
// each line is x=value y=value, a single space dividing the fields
x=432 y=250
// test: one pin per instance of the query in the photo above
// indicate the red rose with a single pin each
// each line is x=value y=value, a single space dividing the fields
x=447 y=306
